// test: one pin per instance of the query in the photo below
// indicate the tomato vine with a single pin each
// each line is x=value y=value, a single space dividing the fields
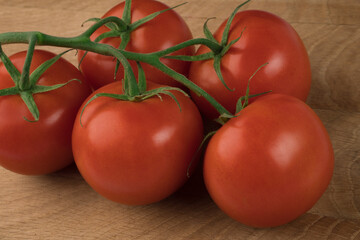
x=122 y=28
x=83 y=42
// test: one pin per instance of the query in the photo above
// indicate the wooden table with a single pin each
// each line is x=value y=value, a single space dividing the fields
x=63 y=206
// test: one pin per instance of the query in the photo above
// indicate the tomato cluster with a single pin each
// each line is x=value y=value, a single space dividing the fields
x=265 y=166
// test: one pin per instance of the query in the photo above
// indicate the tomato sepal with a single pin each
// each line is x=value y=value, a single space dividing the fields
x=115 y=26
x=36 y=74
x=243 y=101
x=12 y=70
x=140 y=22
x=28 y=99
x=225 y=35
x=217 y=68
x=9 y=91
x=146 y=95
x=207 y=32
x=224 y=44
x=25 y=83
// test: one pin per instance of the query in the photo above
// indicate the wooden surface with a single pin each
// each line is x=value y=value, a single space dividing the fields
x=63 y=206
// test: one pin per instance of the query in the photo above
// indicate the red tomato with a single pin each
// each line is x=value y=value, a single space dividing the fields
x=44 y=146
x=266 y=38
x=136 y=152
x=164 y=31
x=271 y=164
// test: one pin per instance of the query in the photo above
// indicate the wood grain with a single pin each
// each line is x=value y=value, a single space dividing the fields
x=342 y=198
x=63 y=206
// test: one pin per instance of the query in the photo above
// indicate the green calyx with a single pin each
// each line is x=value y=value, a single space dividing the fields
x=25 y=83
x=220 y=49
x=123 y=27
x=142 y=95
x=225 y=45
x=133 y=90
x=158 y=92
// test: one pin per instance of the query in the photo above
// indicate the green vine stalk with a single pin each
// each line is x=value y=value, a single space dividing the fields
x=120 y=27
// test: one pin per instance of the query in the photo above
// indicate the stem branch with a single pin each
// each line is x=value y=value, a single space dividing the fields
x=24 y=82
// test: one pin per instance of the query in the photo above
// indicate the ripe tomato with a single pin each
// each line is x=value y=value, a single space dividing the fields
x=44 y=146
x=136 y=152
x=266 y=39
x=164 y=31
x=271 y=164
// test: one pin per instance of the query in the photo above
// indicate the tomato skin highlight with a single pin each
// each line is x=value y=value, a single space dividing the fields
x=136 y=153
x=35 y=148
x=164 y=31
x=271 y=164
x=266 y=38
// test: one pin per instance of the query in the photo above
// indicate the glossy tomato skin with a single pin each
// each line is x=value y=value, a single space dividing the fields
x=164 y=31
x=136 y=153
x=271 y=164
x=42 y=147
x=266 y=39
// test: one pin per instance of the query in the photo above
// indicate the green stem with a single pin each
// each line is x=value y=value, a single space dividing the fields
x=24 y=82
x=213 y=46
x=189 y=84
x=83 y=42
x=79 y=42
x=127 y=12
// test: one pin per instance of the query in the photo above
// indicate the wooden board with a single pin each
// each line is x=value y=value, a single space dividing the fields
x=63 y=206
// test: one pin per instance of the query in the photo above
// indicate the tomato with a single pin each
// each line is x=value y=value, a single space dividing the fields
x=44 y=146
x=164 y=31
x=136 y=152
x=266 y=39
x=271 y=164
